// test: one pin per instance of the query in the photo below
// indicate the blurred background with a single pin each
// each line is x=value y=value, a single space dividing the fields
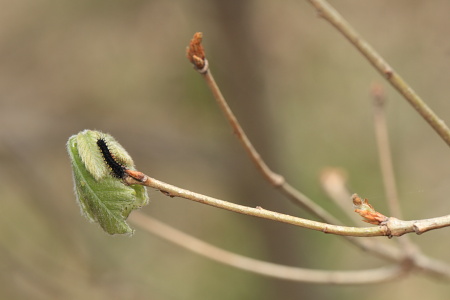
x=300 y=91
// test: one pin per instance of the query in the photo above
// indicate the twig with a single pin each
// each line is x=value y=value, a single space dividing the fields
x=387 y=167
x=384 y=153
x=333 y=182
x=392 y=227
x=204 y=249
x=173 y=191
x=428 y=265
x=196 y=55
x=273 y=178
x=326 y=11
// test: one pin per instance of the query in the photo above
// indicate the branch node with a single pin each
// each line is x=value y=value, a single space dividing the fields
x=320 y=13
x=418 y=229
x=166 y=193
x=387 y=230
x=205 y=65
x=277 y=180
x=388 y=73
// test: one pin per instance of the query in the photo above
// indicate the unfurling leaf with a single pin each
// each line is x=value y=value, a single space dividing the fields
x=365 y=210
x=98 y=164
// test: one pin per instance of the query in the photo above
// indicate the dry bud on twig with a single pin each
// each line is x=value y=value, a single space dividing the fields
x=196 y=53
x=365 y=210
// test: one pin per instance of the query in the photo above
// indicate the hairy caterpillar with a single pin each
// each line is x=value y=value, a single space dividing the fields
x=99 y=165
x=117 y=169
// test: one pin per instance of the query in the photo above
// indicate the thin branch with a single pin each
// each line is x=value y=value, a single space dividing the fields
x=173 y=191
x=386 y=164
x=196 y=55
x=428 y=265
x=326 y=11
x=214 y=253
x=273 y=178
x=433 y=267
x=384 y=152
x=333 y=182
x=392 y=227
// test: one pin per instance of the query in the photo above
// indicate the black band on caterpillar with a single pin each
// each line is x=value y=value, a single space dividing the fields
x=117 y=169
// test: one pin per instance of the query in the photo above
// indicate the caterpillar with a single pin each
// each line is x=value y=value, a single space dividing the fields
x=117 y=169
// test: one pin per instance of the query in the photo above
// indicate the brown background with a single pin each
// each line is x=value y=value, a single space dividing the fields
x=301 y=93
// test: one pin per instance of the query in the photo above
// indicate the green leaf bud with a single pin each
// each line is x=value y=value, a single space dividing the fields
x=98 y=164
